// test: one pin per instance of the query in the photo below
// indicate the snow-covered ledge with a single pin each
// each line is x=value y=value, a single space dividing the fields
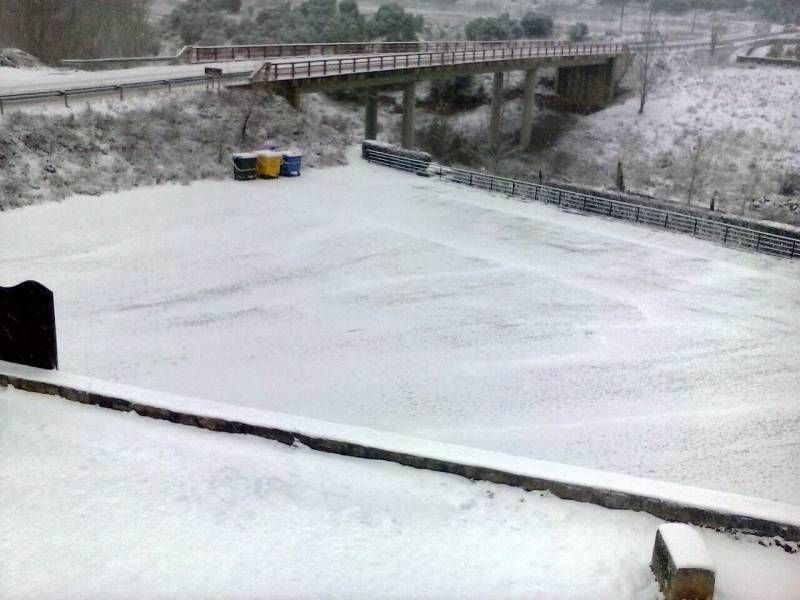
x=669 y=501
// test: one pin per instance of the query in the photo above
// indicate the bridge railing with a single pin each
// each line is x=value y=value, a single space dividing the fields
x=200 y=54
x=323 y=67
x=707 y=229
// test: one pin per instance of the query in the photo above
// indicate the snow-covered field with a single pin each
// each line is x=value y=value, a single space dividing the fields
x=370 y=297
x=746 y=122
x=103 y=504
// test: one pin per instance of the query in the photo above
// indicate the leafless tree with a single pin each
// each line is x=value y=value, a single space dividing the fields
x=716 y=33
x=700 y=158
x=651 y=38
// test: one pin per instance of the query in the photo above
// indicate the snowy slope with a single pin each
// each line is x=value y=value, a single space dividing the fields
x=369 y=297
x=118 y=506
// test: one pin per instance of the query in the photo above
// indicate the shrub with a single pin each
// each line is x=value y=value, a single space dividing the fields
x=536 y=25
x=578 y=32
x=458 y=92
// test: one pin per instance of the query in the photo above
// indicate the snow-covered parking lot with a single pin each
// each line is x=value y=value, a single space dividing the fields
x=371 y=297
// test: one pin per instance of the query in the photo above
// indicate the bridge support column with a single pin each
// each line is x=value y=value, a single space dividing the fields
x=497 y=109
x=587 y=88
x=528 y=104
x=371 y=116
x=295 y=97
x=409 y=120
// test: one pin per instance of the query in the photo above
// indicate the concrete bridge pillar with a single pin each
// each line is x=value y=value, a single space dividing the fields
x=295 y=97
x=528 y=104
x=588 y=88
x=409 y=120
x=497 y=109
x=371 y=116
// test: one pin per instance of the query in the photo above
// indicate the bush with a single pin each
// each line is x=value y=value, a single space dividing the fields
x=493 y=28
x=536 y=25
x=458 y=92
x=392 y=23
x=578 y=32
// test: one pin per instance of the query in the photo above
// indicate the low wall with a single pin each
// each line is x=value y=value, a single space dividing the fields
x=772 y=62
x=664 y=500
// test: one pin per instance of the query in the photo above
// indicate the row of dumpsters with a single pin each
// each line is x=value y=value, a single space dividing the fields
x=266 y=164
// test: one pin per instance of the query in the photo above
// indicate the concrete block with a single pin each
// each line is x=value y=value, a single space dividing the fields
x=682 y=564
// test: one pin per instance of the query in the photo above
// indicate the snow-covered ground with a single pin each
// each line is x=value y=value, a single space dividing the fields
x=733 y=130
x=103 y=504
x=370 y=297
x=745 y=120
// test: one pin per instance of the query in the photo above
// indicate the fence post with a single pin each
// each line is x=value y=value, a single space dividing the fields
x=470 y=179
x=758 y=242
x=513 y=188
x=610 y=207
x=695 y=228
x=725 y=239
x=666 y=220
x=794 y=246
x=491 y=183
x=559 y=199
x=636 y=218
x=536 y=193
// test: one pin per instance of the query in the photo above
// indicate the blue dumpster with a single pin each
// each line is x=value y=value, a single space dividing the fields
x=291 y=164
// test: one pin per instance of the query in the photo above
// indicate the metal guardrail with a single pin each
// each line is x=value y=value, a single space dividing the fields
x=772 y=62
x=707 y=229
x=345 y=65
x=79 y=91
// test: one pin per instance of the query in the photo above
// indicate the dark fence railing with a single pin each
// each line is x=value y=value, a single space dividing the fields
x=325 y=67
x=707 y=229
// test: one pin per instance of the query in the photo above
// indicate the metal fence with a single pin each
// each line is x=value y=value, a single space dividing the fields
x=324 y=67
x=707 y=229
x=120 y=89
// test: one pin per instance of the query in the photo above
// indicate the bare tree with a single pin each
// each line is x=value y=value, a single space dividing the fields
x=622 y=4
x=700 y=164
x=650 y=37
x=716 y=32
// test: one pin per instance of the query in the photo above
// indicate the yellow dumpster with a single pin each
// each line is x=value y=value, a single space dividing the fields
x=268 y=163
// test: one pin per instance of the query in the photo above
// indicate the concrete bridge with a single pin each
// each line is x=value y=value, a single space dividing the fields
x=587 y=75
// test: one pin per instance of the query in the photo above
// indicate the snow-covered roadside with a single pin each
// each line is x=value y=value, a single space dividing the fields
x=150 y=139
x=365 y=296
x=121 y=506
